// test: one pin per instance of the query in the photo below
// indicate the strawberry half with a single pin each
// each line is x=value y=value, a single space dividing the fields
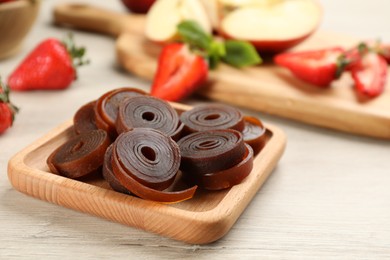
x=382 y=49
x=370 y=74
x=7 y=109
x=180 y=72
x=319 y=67
x=51 y=65
x=385 y=52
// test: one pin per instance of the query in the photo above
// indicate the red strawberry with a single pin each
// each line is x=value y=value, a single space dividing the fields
x=180 y=72
x=7 y=110
x=319 y=67
x=352 y=56
x=370 y=74
x=51 y=65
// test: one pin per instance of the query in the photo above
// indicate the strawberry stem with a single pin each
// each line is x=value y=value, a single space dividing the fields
x=4 y=98
x=362 y=48
x=341 y=63
x=349 y=57
x=77 y=53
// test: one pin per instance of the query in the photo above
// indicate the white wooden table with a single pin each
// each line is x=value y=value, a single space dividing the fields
x=329 y=196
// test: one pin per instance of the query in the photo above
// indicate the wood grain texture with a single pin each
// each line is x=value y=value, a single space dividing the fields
x=328 y=197
x=91 y=18
x=265 y=88
x=203 y=219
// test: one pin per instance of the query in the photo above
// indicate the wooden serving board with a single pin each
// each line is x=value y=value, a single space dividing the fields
x=266 y=88
x=206 y=217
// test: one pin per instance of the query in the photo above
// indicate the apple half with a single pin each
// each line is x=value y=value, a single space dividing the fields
x=164 y=16
x=270 y=25
x=211 y=7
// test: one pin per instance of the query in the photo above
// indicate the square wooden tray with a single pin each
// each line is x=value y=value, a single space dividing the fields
x=203 y=219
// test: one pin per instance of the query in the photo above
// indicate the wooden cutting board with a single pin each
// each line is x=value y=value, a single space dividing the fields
x=206 y=217
x=266 y=88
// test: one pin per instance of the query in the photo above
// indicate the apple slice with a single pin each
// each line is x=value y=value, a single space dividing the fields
x=232 y=4
x=270 y=25
x=211 y=7
x=164 y=16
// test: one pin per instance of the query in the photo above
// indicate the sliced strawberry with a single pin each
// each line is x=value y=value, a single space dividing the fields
x=383 y=50
x=354 y=54
x=319 y=67
x=180 y=72
x=370 y=74
x=352 y=57
x=7 y=109
x=51 y=65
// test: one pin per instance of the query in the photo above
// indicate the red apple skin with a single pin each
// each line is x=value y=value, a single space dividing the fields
x=138 y=6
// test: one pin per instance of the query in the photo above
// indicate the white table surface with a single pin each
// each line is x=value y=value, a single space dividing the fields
x=329 y=196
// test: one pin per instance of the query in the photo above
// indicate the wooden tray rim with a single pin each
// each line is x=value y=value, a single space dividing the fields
x=218 y=220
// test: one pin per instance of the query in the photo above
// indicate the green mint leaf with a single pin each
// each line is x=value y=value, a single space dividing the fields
x=215 y=53
x=194 y=35
x=240 y=54
x=213 y=61
x=235 y=53
x=217 y=48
